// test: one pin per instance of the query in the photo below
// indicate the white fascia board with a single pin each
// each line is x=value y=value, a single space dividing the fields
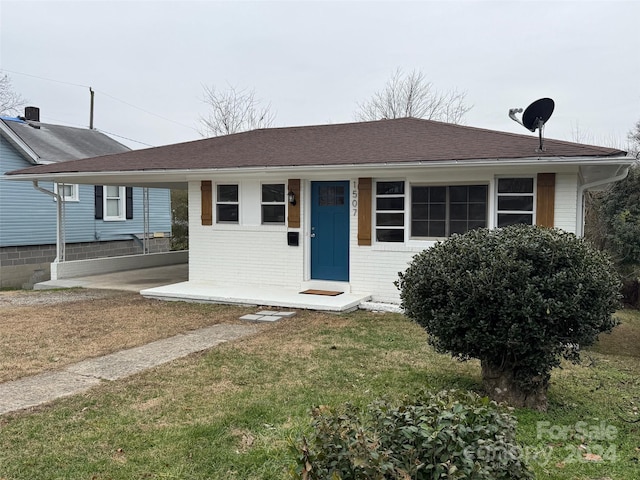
x=19 y=144
x=184 y=175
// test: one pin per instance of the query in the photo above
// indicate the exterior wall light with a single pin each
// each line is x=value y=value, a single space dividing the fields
x=292 y=197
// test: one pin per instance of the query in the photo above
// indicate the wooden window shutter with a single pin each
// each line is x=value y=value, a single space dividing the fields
x=128 y=203
x=364 y=211
x=293 y=217
x=207 y=203
x=99 y=214
x=546 y=195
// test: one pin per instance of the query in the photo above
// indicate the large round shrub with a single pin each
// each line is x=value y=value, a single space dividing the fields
x=518 y=298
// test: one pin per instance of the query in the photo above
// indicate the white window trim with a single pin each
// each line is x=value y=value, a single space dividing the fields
x=534 y=194
x=225 y=222
x=375 y=211
x=122 y=211
x=284 y=202
x=75 y=195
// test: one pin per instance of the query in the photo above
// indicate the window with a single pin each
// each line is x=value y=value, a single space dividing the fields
x=390 y=211
x=114 y=202
x=227 y=210
x=515 y=201
x=441 y=211
x=68 y=191
x=273 y=203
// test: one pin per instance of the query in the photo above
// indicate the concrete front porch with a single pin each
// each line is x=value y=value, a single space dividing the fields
x=264 y=296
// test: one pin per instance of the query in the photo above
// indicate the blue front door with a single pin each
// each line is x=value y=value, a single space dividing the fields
x=330 y=231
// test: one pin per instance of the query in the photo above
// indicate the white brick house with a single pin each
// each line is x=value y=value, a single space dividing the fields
x=346 y=206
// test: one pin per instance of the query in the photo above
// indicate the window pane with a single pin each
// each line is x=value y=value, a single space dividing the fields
x=389 y=188
x=113 y=208
x=390 y=203
x=331 y=196
x=458 y=211
x=477 y=211
x=389 y=235
x=227 y=213
x=457 y=227
x=437 y=211
x=505 y=219
x=458 y=194
x=113 y=191
x=508 y=202
x=272 y=213
x=419 y=229
x=438 y=194
x=227 y=193
x=67 y=191
x=273 y=193
x=419 y=194
x=515 y=185
x=390 y=219
x=420 y=212
x=478 y=193
x=437 y=229
x=477 y=224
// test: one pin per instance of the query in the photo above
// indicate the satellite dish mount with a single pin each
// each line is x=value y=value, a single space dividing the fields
x=535 y=117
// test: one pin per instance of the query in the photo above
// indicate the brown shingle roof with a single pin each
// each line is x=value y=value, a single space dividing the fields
x=379 y=142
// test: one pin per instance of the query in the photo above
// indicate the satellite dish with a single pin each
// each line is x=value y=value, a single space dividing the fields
x=535 y=116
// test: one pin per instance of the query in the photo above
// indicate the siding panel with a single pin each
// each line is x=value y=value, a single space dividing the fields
x=39 y=227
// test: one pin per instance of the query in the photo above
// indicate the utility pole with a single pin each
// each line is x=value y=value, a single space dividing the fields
x=91 y=109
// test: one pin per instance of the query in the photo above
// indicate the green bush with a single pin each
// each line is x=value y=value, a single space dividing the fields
x=446 y=435
x=518 y=298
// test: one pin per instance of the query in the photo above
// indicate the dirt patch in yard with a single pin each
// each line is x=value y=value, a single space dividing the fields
x=47 y=330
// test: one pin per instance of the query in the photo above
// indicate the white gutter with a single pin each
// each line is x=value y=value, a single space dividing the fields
x=583 y=188
x=60 y=240
x=532 y=161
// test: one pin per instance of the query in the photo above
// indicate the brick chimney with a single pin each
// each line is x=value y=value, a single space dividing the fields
x=32 y=113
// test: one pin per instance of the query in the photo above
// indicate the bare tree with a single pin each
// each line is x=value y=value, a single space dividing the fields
x=634 y=140
x=411 y=95
x=232 y=111
x=11 y=103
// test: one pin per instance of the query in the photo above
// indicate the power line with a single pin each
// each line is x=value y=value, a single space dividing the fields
x=146 y=111
x=43 y=78
x=71 y=124
x=105 y=94
x=123 y=137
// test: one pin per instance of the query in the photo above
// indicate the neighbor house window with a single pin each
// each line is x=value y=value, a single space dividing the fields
x=68 y=191
x=390 y=211
x=273 y=203
x=114 y=203
x=227 y=207
x=515 y=201
x=441 y=211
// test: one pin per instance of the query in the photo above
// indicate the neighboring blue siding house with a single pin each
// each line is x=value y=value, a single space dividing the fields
x=99 y=221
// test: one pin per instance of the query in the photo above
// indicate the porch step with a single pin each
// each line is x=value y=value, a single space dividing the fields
x=267 y=296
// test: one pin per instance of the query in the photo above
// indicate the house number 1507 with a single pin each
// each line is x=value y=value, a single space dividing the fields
x=354 y=199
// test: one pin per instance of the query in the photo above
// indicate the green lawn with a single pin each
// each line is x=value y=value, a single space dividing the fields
x=228 y=413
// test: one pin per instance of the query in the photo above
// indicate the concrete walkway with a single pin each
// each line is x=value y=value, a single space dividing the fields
x=46 y=387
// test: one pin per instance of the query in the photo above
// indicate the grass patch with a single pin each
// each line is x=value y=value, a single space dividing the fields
x=228 y=413
x=48 y=330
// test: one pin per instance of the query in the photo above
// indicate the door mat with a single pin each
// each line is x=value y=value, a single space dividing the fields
x=328 y=293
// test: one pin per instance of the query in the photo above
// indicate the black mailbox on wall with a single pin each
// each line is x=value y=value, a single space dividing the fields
x=293 y=239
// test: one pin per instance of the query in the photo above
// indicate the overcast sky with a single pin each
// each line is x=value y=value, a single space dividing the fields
x=314 y=61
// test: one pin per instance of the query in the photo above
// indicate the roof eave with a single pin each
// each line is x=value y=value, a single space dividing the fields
x=194 y=173
x=19 y=144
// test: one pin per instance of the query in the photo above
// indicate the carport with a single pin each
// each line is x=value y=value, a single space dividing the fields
x=132 y=280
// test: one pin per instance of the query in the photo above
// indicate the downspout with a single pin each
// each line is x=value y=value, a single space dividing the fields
x=60 y=240
x=583 y=188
